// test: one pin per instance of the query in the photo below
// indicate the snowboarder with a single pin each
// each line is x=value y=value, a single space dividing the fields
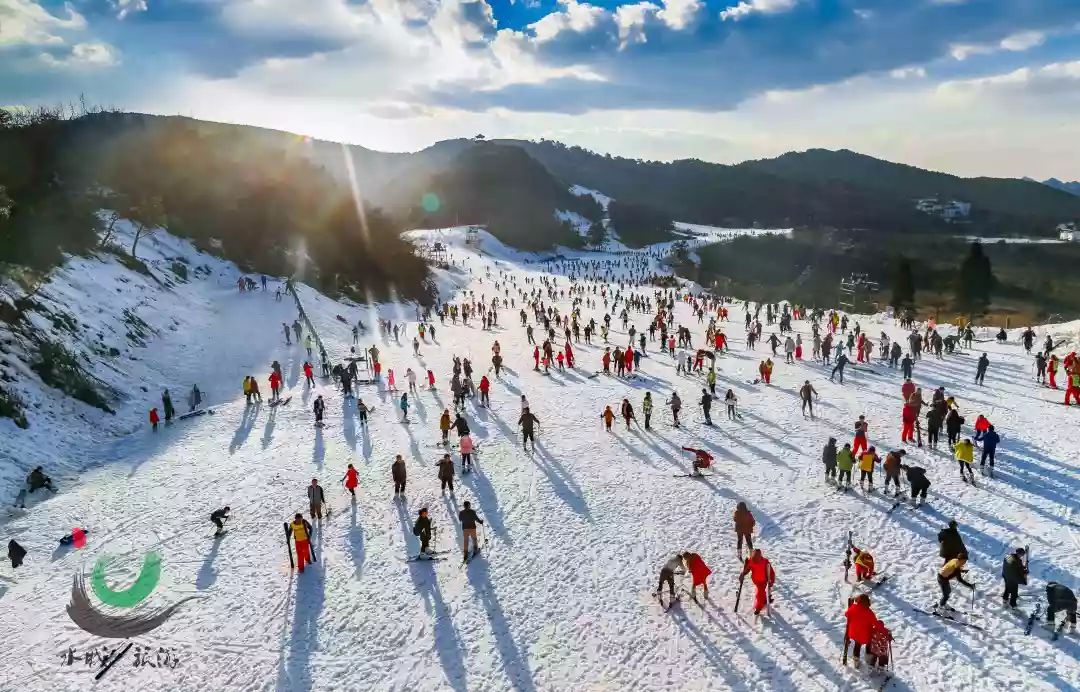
x=219 y=517
x=319 y=407
x=351 y=480
x=1014 y=572
x=526 y=422
x=397 y=473
x=762 y=576
x=469 y=520
x=316 y=498
x=446 y=473
x=300 y=532
x=744 y=528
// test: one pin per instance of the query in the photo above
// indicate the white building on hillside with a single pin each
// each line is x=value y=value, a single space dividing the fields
x=951 y=211
x=1069 y=232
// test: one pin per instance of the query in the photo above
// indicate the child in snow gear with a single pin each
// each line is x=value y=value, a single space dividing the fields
x=699 y=572
x=351 y=480
x=300 y=531
x=845 y=462
x=422 y=529
x=219 y=517
x=828 y=458
x=861 y=427
x=1014 y=572
x=864 y=565
x=316 y=498
x=154 y=419
x=744 y=528
x=916 y=476
x=953 y=569
x=608 y=415
x=404 y=403
x=965 y=456
x=397 y=472
x=732 y=401
x=469 y=520
x=466 y=443
x=676 y=405
x=1058 y=598
x=646 y=409
x=667 y=575
x=860 y=624
x=763 y=577
x=702 y=460
x=319 y=407
x=446 y=473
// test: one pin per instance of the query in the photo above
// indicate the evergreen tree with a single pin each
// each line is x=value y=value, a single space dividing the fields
x=597 y=235
x=975 y=281
x=903 y=285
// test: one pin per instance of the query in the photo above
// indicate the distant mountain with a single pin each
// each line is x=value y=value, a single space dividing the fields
x=1072 y=188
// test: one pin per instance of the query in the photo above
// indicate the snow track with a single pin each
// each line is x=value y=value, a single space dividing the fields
x=559 y=598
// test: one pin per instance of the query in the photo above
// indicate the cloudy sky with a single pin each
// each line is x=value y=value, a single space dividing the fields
x=974 y=87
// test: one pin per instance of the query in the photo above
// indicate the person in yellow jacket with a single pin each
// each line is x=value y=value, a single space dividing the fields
x=444 y=425
x=300 y=530
x=866 y=467
x=965 y=456
x=247 y=388
x=953 y=569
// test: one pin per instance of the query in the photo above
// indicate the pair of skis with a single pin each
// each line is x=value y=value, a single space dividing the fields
x=947 y=616
x=289 y=548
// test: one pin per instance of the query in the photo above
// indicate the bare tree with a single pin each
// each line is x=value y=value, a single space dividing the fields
x=147 y=213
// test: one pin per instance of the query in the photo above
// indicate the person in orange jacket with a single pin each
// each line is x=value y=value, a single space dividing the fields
x=154 y=419
x=606 y=360
x=765 y=369
x=860 y=624
x=763 y=577
x=907 y=389
x=608 y=415
x=351 y=480
x=699 y=572
x=744 y=527
x=1052 y=368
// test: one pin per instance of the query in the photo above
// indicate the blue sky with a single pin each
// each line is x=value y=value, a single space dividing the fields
x=968 y=86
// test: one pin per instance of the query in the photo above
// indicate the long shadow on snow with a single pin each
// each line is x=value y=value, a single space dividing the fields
x=318 y=452
x=295 y=671
x=719 y=660
x=207 y=574
x=486 y=499
x=515 y=666
x=268 y=429
x=447 y=643
x=247 y=422
x=348 y=424
x=561 y=481
x=355 y=537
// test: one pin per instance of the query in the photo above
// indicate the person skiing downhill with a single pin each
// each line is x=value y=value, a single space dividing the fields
x=608 y=416
x=953 y=569
x=762 y=576
x=219 y=517
x=319 y=407
x=805 y=393
x=446 y=473
x=466 y=449
x=316 y=499
x=423 y=529
x=647 y=409
x=676 y=404
x=526 y=422
x=744 y=528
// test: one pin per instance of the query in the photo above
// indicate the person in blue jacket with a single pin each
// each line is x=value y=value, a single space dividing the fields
x=990 y=442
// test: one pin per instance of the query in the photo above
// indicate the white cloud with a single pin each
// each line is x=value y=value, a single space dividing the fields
x=24 y=22
x=748 y=7
x=1015 y=43
x=679 y=14
x=334 y=20
x=84 y=56
x=908 y=73
x=125 y=8
x=1056 y=80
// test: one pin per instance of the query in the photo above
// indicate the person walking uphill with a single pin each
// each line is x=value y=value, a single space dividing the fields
x=316 y=499
x=469 y=520
x=744 y=528
x=1014 y=572
x=444 y=426
x=806 y=392
x=763 y=577
x=300 y=532
x=319 y=408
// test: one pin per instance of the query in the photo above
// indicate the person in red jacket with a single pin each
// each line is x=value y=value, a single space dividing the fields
x=907 y=389
x=1051 y=369
x=908 y=418
x=431 y=380
x=762 y=575
x=861 y=427
x=485 y=387
x=721 y=341
x=569 y=355
x=860 y=625
x=744 y=527
x=309 y=376
x=154 y=419
x=702 y=459
x=275 y=385
x=536 y=357
x=351 y=480
x=606 y=360
x=699 y=572
x=628 y=357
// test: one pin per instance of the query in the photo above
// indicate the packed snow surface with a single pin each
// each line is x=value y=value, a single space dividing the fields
x=575 y=532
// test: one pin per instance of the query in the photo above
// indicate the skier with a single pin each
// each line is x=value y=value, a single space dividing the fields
x=1014 y=572
x=1060 y=597
x=646 y=408
x=676 y=404
x=805 y=393
x=466 y=448
x=864 y=565
x=194 y=398
x=460 y=426
x=485 y=388
x=219 y=517
x=300 y=532
x=699 y=572
x=309 y=374
x=744 y=528
x=319 y=407
x=526 y=422
x=980 y=369
x=952 y=569
x=990 y=442
x=275 y=386
x=608 y=416
x=841 y=363
x=316 y=499
x=702 y=460
x=404 y=404
x=892 y=464
x=444 y=426
x=446 y=473
x=859 y=443
x=916 y=476
x=867 y=460
x=667 y=576
x=763 y=577
x=422 y=529
x=398 y=474
x=950 y=542
x=627 y=412
x=845 y=462
x=860 y=623
x=288 y=338
x=965 y=456
x=410 y=375
x=351 y=480
x=828 y=458
x=706 y=406
x=469 y=520
x=732 y=401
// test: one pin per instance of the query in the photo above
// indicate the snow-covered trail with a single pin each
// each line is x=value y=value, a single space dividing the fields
x=577 y=531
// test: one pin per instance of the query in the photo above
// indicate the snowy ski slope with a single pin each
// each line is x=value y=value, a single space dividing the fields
x=576 y=532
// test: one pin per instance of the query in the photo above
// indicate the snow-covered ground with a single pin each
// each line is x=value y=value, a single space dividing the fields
x=576 y=532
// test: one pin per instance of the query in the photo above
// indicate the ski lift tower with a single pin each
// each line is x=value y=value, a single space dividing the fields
x=856 y=292
x=438 y=254
x=472 y=237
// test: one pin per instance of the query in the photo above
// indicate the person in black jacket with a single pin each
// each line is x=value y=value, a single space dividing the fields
x=219 y=517
x=916 y=477
x=461 y=426
x=953 y=423
x=422 y=529
x=952 y=545
x=828 y=457
x=934 y=421
x=527 y=421
x=16 y=553
x=1015 y=572
x=446 y=473
x=319 y=408
x=1060 y=597
x=706 y=406
x=397 y=472
x=469 y=520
